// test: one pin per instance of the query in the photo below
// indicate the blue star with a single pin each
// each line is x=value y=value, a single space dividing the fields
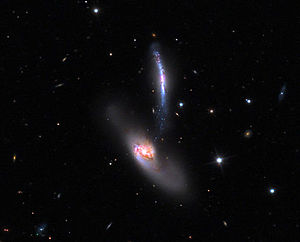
x=272 y=190
x=248 y=100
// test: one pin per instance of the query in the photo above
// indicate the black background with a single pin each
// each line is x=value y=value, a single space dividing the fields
x=61 y=177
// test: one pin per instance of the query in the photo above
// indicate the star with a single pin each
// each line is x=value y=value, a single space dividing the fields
x=96 y=10
x=272 y=190
x=219 y=160
x=248 y=100
x=41 y=230
x=181 y=104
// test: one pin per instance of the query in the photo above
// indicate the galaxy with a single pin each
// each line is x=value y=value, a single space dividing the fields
x=149 y=121
x=161 y=170
x=162 y=88
x=155 y=166
x=282 y=93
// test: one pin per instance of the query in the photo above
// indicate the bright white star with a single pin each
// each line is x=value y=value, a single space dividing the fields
x=248 y=100
x=219 y=160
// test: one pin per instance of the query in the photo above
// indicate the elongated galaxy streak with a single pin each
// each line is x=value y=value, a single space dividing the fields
x=162 y=110
x=161 y=75
x=282 y=93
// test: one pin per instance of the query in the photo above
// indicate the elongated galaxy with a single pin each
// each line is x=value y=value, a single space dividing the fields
x=162 y=109
x=161 y=75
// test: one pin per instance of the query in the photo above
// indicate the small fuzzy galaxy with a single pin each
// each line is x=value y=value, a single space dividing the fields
x=144 y=121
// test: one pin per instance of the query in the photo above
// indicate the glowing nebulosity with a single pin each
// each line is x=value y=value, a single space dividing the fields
x=145 y=151
x=164 y=172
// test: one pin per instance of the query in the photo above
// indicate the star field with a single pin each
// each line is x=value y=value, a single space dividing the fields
x=67 y=175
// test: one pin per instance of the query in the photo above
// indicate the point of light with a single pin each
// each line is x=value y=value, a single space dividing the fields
x=272 y=190
x=181 y=104
x=96 y=10
x=219 y=160
x=248 y=100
